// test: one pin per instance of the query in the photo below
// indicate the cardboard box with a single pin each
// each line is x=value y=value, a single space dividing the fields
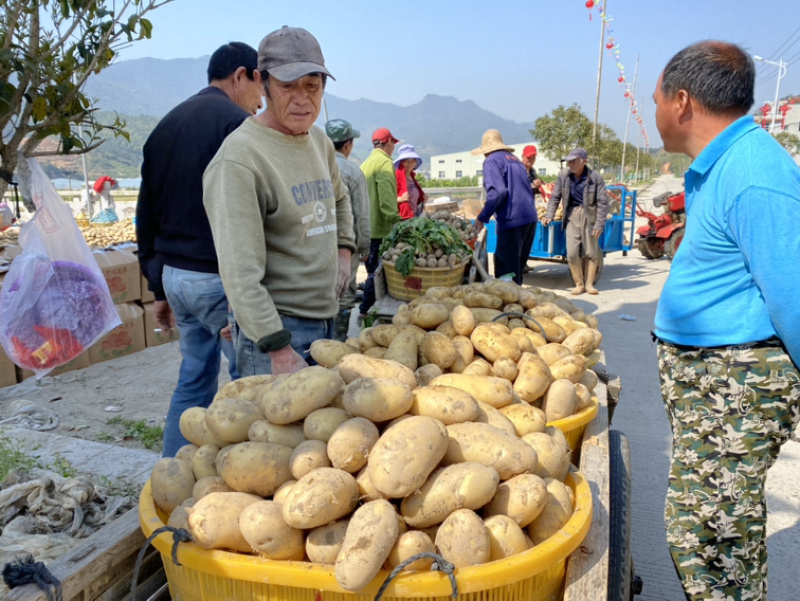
x=8 y=371
x=147 y=296
x=121 y=270
x=151 y=337
x=78 y=362
x=471 y=207
x=124 y=339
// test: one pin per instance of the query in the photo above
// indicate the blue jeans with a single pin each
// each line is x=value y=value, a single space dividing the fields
x=252 y=361
x=201 y=310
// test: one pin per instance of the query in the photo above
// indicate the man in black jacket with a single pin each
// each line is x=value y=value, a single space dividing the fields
x=176 y=249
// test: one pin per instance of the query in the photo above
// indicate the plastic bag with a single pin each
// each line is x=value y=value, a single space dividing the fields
x=55 y=301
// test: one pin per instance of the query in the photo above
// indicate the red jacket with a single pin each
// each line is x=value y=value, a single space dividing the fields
x=404 y=208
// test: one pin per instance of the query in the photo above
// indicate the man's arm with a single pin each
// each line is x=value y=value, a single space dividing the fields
x=496 y=190
x=602 y=203
x=147 y=227
x=386 y=183
x=359 y=197
x=555 y=198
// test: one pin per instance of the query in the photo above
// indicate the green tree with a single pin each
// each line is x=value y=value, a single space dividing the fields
x=609 y=148
x=48 y=50
x=789 y=141
x=562 y=130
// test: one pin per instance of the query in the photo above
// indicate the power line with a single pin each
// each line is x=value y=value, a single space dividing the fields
x=774 y=54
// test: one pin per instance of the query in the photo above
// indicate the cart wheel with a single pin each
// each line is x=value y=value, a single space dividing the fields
x=673 y=242
x=650 y=248
x=622 y=581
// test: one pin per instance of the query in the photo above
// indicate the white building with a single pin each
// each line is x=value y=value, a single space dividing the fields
x=465 y=164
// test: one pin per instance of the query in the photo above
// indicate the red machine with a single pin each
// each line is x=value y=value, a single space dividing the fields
x=663 y=233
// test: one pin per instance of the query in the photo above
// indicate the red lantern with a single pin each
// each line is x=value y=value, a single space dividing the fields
x=634 y=111
x=627 y=94
x=589 y=3
x=621 y=79
x=610 y=45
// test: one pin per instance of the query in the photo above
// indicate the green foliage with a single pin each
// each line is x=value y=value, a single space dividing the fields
x=562 y=130
x=789 y=141
x=150 y=437
x=49 y=50
x=462 y=182
x=422 y=235
x=12 y=458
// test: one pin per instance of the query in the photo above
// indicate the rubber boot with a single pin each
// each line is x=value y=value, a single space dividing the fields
x=341 y=324
x=577 y=274
x=591 y=272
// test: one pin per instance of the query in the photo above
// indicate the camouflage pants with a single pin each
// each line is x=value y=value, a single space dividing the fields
x=731 y=409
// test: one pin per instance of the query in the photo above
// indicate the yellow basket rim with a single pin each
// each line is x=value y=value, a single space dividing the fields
x=430 y=269
x=305 y=575
x=581 y=418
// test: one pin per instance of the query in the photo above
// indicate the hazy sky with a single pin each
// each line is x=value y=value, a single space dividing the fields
x=518 y=59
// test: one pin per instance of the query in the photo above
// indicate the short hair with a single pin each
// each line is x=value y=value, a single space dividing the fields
x=720 y=75
x=229 y=57
x=339 y=145
x=265 y=80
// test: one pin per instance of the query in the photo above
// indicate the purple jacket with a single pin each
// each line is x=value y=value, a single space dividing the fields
x=508 y=192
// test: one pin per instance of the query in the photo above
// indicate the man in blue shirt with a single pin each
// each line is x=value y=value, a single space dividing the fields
x=727 y=322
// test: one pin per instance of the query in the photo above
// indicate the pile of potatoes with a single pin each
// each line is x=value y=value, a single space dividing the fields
x=465 y=228
x=105 y=235
x=10 y=237
x=426 y=435
x=438 y=257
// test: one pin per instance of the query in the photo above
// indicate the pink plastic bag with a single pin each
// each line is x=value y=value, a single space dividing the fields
x=55 y=301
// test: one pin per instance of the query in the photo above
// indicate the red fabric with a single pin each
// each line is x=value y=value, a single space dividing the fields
x=98 y=185
x=404 y=208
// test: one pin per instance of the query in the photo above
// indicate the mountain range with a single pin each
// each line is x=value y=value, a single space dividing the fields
x=143 y=90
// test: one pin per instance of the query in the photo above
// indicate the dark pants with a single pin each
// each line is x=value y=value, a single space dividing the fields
x=369 y=286
x=512 y=250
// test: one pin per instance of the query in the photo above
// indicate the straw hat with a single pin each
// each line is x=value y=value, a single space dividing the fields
x=491 y=141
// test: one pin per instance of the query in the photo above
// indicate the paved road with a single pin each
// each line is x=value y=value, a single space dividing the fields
x=631 y=286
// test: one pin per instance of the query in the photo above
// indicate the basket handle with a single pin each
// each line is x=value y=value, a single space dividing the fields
x=439 y=564
x=523 y=316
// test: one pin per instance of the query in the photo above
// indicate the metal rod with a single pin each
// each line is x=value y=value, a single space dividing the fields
x=599 y=74
x=628 y=121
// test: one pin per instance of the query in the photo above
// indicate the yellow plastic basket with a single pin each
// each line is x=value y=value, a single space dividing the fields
x=420 y=279
x=212 y=575
x=574 y=425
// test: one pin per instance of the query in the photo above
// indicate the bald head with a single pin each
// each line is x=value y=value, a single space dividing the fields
x=718 y=75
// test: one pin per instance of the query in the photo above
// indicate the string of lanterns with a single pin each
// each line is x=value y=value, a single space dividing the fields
x=614 y=51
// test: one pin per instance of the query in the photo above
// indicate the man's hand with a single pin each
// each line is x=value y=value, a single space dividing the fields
x=162 y=313
x=537 y=183
x=403 y=197
x=478 y=226
x=286 y=361
x=597 y=233
x=545 y=221
x=226 y=333
x=344 y=271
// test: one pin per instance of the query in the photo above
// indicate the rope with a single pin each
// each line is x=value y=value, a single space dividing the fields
x=27 y=571
x=179 y=535
x=439 y=564
x=523 y=316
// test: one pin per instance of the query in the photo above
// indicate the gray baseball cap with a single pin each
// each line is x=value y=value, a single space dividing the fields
x=290 y=53
x=339 y=130
x=578 y=153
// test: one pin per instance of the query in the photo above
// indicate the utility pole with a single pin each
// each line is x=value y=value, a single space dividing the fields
x=628 y=122
x=638 y=150
x=599 y=74
x=781 y=73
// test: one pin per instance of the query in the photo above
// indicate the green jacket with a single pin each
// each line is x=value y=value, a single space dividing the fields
x=382 y=187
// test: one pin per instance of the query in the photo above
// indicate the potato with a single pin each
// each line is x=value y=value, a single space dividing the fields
x=505 y=537
x=247 y=388
x=377 y=399
x=446 y=329
x=533 y=377
x=307 y=456
x=526 y=418
x=553 y=461
x=526 y=298
x=404 y=349
x=505 y=368
x=493 y=344
x=376 y=352
x=429 y=316
x=255 y=467
x=204 y=461
x=328 y=353
x=264 y=528
x=214 y=520
x=482 y=299
x=172 y=482
x=478 y=367
x=531 y=332
x=365 y=487
x=557 y=435
x=321 y=496
x=490 y=446
x=550 y=329
x=513 y=308
x=439 y=292
x=427 y=373
x=590 y=379
x=463 y=320
x=351 y=443
x=553 y=352
x=365 y=340
x=279 y=496
x=463 y=485
x=384 y=333
x=547 y=309
x=483 y=315
x=289 y=435
x=405 y=455
x=569 y=368
x=192 y=425
x=523 y=341
x=352 y=367
x=447 y=404
x=560 y=400
x=370 y=537
x=556 y=512
x=463 y=540
x=584 y=397
x=179 y=518
x=301 y=393
x=324 y=543
x=186 y=452
x=408 y=545
x=570 y=325
x=320 y=424
x=402 y=317
x=353 y=343
x=439 y=349
x=521 y=498
x=490 y=390
x=489 y=415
